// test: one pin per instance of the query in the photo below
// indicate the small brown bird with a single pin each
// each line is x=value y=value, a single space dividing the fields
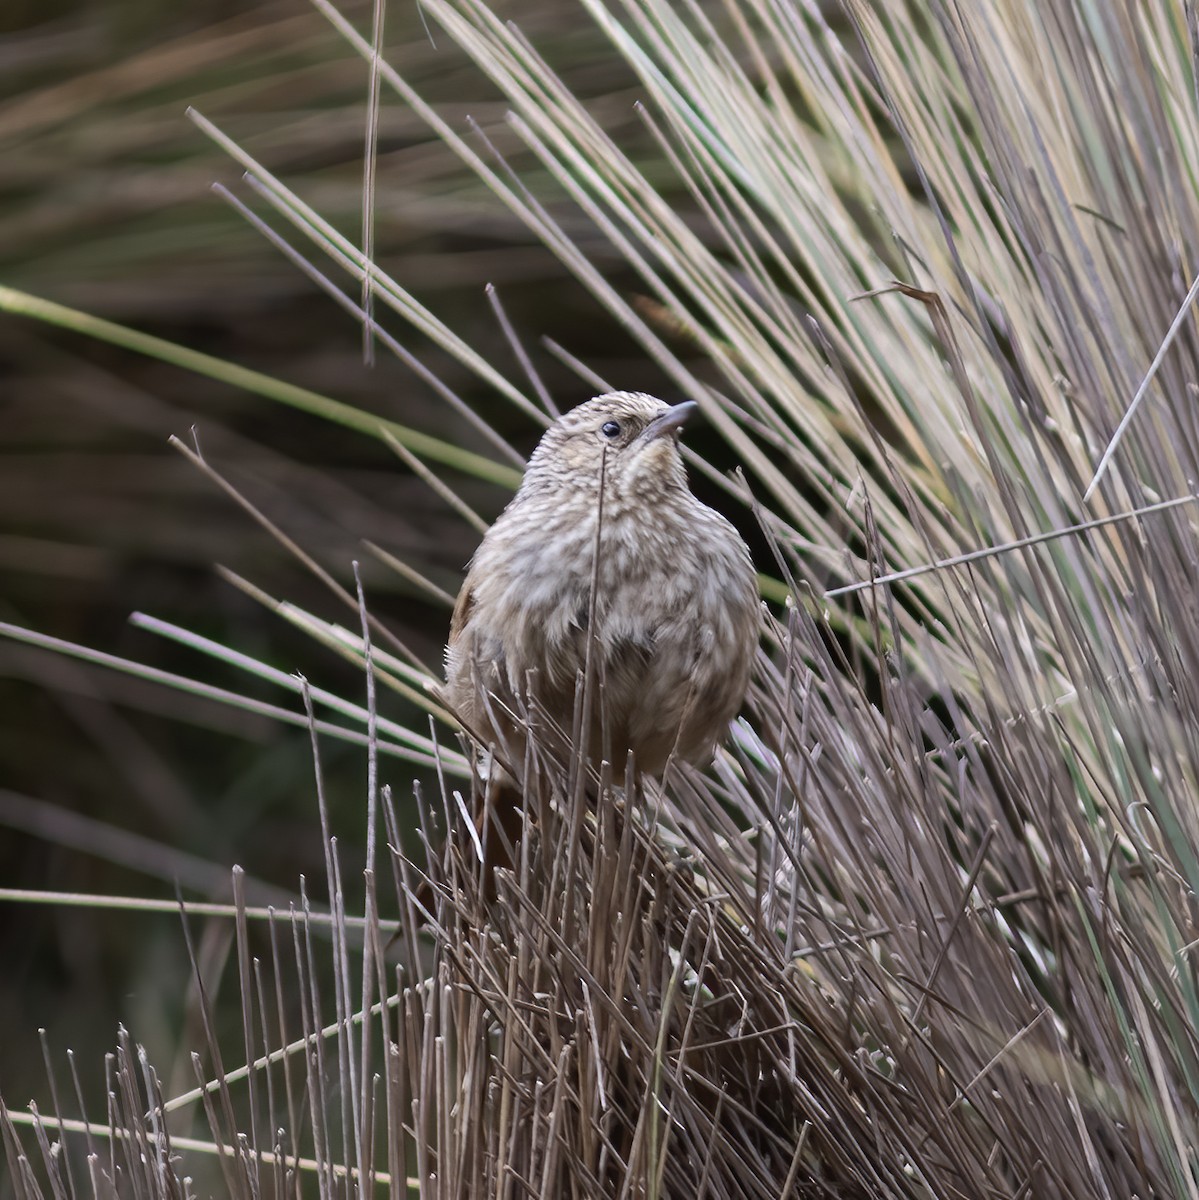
x=673 y=624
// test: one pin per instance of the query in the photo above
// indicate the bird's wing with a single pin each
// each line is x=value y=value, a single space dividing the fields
x=462 y=608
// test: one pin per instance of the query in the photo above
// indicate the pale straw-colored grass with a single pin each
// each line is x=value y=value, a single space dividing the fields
x=926 y=927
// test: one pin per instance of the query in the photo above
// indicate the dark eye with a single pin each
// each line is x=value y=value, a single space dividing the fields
x=610 y=429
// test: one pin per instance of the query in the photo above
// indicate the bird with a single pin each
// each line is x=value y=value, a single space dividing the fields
x=604 y=561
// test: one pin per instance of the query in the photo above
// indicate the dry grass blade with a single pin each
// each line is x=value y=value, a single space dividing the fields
x=925 y=929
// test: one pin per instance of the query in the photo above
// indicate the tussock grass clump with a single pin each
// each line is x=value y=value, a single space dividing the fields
x=926 y=927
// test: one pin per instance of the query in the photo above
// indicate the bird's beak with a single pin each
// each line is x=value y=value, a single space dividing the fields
x=670 y=422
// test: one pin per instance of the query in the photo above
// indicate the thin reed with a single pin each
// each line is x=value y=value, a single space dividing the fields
x=926 y=927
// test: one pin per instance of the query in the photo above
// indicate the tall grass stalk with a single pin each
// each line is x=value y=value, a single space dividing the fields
x=927 y=927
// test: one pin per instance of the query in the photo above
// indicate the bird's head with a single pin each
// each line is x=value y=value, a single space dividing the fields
x=629 y=437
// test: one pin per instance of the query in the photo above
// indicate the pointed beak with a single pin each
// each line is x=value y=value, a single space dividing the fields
x=670 y=422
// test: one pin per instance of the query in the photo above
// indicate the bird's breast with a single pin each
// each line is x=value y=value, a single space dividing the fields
x=671 y=603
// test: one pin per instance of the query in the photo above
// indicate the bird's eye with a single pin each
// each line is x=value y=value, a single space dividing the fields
x=610 y=429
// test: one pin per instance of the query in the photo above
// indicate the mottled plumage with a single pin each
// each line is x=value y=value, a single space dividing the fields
x=676 y=607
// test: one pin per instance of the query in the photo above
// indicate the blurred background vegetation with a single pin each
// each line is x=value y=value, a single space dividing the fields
x=106 y=205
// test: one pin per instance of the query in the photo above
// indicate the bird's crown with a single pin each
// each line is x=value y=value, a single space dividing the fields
x=631 y=437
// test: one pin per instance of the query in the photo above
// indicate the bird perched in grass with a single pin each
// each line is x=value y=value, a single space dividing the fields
x=605 y=561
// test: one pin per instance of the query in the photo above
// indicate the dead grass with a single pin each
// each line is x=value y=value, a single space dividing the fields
x=926 y=927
